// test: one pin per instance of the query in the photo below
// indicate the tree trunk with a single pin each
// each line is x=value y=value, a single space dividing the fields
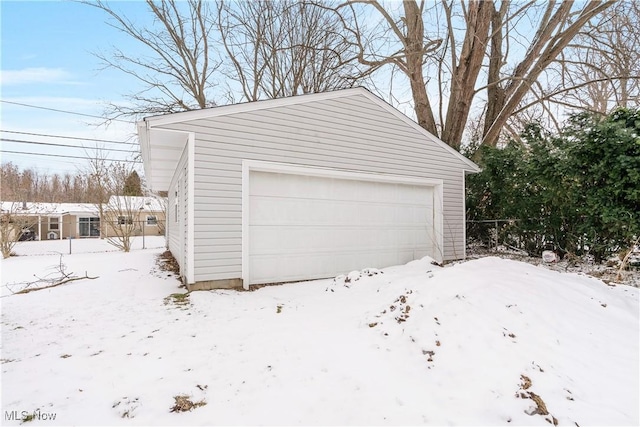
x=465 y=73
x=414 y=46
x=495 y=91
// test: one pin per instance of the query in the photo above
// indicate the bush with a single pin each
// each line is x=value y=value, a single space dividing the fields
x=576 y=192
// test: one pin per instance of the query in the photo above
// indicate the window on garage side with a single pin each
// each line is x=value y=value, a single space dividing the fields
x=175 y=205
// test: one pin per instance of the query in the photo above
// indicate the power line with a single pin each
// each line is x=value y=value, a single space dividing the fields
x=69 y=137
x=21 y=141
x=64 y=111
x=65 y=156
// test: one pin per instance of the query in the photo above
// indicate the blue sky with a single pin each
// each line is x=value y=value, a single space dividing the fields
x=47 y=61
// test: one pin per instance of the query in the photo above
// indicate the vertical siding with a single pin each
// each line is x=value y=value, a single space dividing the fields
x=350 y=133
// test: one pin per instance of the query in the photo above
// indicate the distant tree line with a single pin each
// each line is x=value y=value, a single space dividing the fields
x=30 y=185
x=575 y=192
x=96 y=185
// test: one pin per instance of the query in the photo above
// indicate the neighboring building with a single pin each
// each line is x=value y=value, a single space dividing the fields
x=303 y=187
x=52 y=221
x=144 y=215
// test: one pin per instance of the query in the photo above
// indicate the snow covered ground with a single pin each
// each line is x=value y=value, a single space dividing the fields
x=484 y=342
x=79 y=246
x=608 y=272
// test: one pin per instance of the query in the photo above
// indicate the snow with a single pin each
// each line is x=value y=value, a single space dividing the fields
x=48 y=209
x=412 y=344
x=85 y=245
x=134 y=203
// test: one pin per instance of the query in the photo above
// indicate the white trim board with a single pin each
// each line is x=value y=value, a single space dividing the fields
x=264 y=166
x=191 y=206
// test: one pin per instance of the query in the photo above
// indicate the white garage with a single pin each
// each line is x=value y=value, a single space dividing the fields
x=308 y=223
x=304 y=187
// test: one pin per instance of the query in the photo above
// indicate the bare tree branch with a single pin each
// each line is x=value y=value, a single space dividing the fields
x=285 y=48
x=178 y=71
x=475 y=44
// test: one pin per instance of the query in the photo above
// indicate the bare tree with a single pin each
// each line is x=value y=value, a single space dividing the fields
x=460 y=58
x=601 y=69
x=9 y=181
x=560 y=24
x=506 y=44
x=107 y=181
x=29 y=185
x=273 y=49
x=120 y=218
x=99 y=184
x=15 y=221
x=15 y=190
x=176 y=73
x=283 y=48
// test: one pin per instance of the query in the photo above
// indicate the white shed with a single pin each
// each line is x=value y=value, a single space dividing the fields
x=303 y=187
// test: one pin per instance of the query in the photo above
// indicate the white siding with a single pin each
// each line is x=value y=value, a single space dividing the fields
x=350 y=133
x=176 y=213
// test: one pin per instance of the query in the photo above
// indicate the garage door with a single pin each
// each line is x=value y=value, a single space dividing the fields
x=305 y=227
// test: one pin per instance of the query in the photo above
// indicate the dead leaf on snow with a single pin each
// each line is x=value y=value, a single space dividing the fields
x=184 y=404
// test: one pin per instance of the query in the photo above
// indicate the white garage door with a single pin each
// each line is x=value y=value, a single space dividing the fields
x=303 y=227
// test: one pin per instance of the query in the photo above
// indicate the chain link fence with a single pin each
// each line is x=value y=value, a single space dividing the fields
x=88 y=235
x=486 y=232
x=494 y=233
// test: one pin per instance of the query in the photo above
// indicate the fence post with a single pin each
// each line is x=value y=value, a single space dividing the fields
x=70 y=239
x=144 y=223
x=496 y=235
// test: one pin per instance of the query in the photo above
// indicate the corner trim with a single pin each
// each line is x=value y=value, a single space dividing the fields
x=464 y=215
x=246 y=165
x=191 y=143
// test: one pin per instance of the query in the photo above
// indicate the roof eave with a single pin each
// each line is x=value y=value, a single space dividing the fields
x=164 y=156
x=205 y=113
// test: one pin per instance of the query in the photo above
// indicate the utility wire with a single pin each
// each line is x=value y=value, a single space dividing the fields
x=110 y=141
x=64 y=111
x=65 y=156
x=21 y=141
